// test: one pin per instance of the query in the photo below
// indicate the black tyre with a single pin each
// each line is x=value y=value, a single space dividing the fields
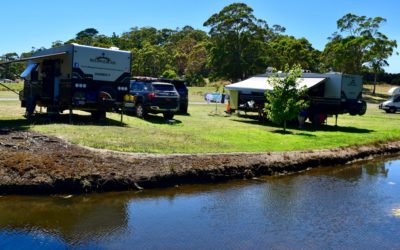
x=363 y=109
x=184 y=109
x=168 y=115
x=392 y=110
x=140 y=111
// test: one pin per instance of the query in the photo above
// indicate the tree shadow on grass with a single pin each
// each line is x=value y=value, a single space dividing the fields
x=282 y=132
x=7 y=126
x=45 y=119
x=374 y=99
x=308 y=127
x=155 y=119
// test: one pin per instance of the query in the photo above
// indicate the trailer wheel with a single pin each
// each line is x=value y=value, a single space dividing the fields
x=363 y=109
x=140 y=111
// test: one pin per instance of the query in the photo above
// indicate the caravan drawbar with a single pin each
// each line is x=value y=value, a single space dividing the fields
x=76 y=77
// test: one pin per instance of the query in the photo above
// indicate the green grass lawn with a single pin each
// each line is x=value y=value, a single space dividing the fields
x=196 y=94
x=8 y=94
x=14 y=86
x=201 y=132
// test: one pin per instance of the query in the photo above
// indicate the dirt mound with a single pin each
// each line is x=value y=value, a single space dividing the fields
x=35 y=163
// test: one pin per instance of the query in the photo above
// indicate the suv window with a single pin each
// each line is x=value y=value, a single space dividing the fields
x=139 y=86
x=397 y=99
x=163 y=87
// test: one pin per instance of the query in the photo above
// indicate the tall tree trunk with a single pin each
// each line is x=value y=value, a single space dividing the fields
x=284 y=126
x=375 y=77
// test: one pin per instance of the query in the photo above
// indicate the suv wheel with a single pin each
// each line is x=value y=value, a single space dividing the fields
x=168 y=115
x=140 y=112
x=184 y=109
x=392 y=110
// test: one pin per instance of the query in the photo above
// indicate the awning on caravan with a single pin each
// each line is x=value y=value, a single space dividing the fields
x=33 y=58
x=261 y=84
x=28 y=69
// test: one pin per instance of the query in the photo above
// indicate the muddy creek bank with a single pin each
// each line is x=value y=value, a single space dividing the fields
x=32 y=163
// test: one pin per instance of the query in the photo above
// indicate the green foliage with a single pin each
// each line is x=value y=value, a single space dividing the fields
x=151 y=60
x=196 y=69
x=13 y=70
x=237 y=48
x=358 y=43
x=56 y=44
x=287 y=50
x=195 y=80
x=5 y=88
x=285 y=101
x=170 y=74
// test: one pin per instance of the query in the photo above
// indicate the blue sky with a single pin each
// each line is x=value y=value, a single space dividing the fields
x=39 y=23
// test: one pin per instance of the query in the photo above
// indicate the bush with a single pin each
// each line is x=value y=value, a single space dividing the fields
x=170 y=74
x=195 y=80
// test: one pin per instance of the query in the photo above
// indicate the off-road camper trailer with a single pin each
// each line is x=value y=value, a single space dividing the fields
x=329 y=94
x=76 y=77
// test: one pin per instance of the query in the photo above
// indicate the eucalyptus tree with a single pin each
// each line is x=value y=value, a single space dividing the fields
x=288 y=50
x=357 y=44
x=237 y=49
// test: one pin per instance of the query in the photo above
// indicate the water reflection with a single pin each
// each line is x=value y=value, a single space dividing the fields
x=74 y=220
x=342 y=207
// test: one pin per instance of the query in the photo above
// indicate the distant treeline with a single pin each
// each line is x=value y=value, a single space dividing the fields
x=237 y=46
x=383 y=78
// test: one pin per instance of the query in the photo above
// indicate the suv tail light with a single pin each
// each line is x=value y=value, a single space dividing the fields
x=151 y=95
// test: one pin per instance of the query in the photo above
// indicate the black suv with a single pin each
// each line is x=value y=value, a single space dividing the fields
x=152 y=97
x=183 y=93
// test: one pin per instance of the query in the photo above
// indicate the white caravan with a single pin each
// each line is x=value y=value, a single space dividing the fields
x=329 y=94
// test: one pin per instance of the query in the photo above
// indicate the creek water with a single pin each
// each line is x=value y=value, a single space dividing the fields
x=346 y=207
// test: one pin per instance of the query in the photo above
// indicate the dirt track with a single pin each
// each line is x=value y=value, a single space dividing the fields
x=34 y=163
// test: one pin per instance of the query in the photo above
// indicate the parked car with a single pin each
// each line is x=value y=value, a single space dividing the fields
x=152 y=97
x=393 y=103
x=183 y=93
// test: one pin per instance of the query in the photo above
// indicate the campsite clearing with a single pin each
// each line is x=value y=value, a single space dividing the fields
x=201 y=132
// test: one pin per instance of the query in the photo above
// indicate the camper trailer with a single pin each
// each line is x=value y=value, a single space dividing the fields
x=76 y=77
x=329 y=94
